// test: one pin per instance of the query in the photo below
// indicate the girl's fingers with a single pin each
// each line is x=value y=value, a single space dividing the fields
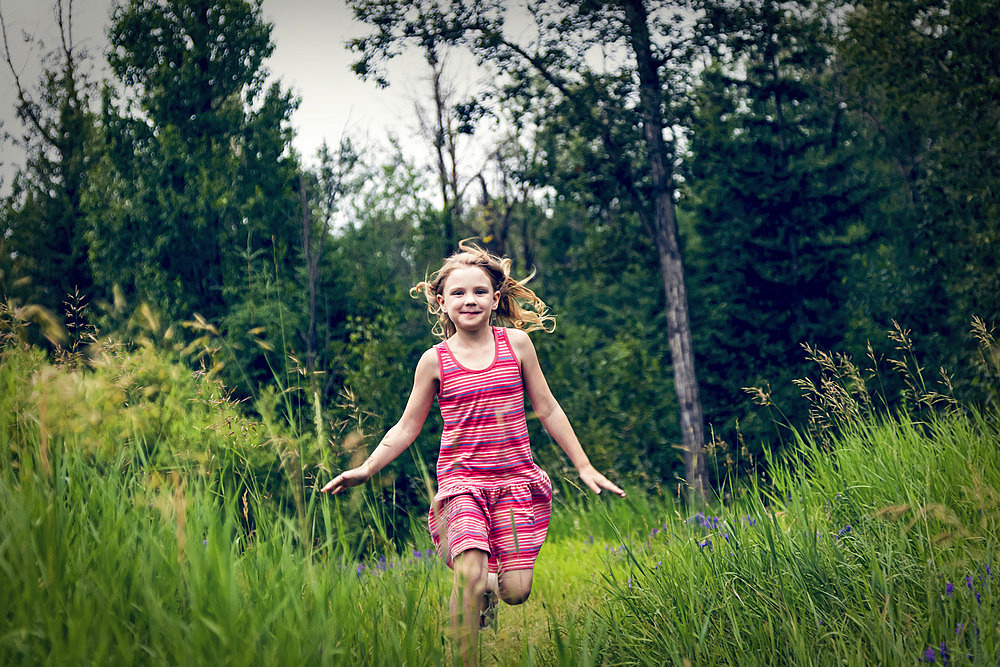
x=335 y=485
x=614 y=489
x=595 y=481
x=611 y=486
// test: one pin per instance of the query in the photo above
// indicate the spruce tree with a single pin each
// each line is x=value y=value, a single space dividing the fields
x=197 y=180
x=43 y=249
x=777 y=210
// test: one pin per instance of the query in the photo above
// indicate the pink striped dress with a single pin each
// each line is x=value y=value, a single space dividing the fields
x=485 y=471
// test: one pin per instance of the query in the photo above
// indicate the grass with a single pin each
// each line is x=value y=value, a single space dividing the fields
x=146 y=521
x=846 y=560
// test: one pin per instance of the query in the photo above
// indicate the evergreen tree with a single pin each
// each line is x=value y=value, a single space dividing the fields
x=924 y=80
x=197 y=174
x=777 y=209
x=43 y=249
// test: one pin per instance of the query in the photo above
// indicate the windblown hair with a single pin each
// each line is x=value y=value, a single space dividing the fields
x=518 y=306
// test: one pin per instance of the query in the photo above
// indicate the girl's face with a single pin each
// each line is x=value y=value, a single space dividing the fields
x=468 y=298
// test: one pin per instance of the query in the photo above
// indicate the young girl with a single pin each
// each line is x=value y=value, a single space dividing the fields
x=491 y=511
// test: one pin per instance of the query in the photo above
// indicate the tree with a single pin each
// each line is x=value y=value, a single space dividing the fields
x=566 y=31
x=334 y=181
x=42 y=241
x=924 y=78
x=197 y=174
x=777 y=202
x=441 y=129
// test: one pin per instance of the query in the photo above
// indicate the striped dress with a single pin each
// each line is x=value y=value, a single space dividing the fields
x=484 y=445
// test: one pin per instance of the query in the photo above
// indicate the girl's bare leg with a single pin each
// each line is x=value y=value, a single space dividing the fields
x=467 y=601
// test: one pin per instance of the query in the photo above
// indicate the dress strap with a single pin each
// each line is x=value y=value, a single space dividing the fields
x=505 y=340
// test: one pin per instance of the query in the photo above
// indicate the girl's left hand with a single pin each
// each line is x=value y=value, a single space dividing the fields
x=595 y=481
x=346 y=480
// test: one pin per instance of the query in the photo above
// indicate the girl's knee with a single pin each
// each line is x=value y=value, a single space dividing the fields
x=515 y=586
x=471 y=568
x=519 y=596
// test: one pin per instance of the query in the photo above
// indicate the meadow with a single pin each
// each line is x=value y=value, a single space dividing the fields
x=147 y=519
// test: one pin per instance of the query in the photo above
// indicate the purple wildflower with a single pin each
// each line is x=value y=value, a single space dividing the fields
x=706 y=543
x=417 y=553
x=949 y=588
x=929 y=654
x=968 y=582
x=958 y=627
x=979 y=599
x=360 y=569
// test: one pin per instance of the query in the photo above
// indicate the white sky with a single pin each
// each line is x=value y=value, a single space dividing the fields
x=310 y=57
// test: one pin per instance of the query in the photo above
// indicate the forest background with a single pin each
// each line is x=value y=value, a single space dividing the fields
x=827 y=169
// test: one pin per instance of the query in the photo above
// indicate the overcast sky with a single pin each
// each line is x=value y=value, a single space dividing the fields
x=310 y=57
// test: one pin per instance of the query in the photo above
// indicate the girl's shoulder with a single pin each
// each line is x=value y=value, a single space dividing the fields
x=520 y=342
x=428 y=365
x=515 y=334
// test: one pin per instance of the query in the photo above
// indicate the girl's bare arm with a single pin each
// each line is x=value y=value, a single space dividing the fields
x=403 y=433
x=551 y=414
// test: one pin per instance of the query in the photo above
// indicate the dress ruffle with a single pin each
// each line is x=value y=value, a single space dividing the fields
x=541 y=485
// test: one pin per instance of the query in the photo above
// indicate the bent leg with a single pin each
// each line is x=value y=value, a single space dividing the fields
x=515 y=585
x=467 y=601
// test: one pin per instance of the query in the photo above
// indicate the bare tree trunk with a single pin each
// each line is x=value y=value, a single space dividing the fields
x=442 y=137
x=664 y=224
x=312 y=274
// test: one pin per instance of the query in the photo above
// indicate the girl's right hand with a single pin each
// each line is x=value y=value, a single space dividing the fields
x=346 y=480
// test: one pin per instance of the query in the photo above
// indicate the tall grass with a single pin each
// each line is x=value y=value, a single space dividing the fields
x=112 y=569
x=147 y=520
x=875 y=542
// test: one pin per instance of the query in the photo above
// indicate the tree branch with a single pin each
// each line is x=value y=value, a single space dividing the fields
x=27 y=108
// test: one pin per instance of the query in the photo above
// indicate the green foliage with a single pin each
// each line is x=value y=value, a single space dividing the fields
x=43 y=249
x=196 y=166
x=839 y=173
x=922 y=79
x=869 y=551
x=777 y=207
x=124 y=543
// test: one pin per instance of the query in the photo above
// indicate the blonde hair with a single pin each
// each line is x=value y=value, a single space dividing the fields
x=518 y=306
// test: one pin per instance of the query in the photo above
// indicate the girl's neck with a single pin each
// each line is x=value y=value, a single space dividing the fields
x=472 y=339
